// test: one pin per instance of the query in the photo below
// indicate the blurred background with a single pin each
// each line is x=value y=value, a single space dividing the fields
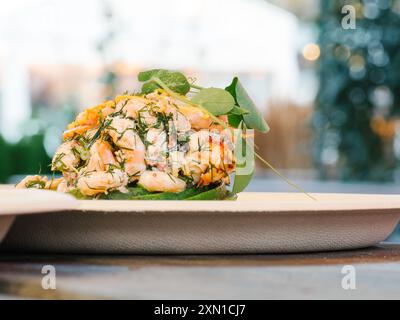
x=331 y=96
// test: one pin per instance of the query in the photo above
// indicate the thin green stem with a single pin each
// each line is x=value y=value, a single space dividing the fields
x=194 y=86
x=283 y=177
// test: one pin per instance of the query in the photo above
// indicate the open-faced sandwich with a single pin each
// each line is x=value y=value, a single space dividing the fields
x=172 y=140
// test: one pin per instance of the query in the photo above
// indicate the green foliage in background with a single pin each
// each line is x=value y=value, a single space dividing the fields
x=28 y=156
x=359 y=73
x=41 y=135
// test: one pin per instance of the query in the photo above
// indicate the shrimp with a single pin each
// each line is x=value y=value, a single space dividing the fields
x=160 y=99
x=39 y=182
x=199 y=141
x=64 y=186
x=214 y=145
x=193 y=167
x=176 y=162
x=147 y=119
x=210 y=158
x=109 y=108
x=157 y=148
x=157 y=181
x=121 y=130
x=101 y=157
x=90 y=133
x=93 y=183
x=65 y=159
x=53 y=184
x=132 y=150
x=204 y=173
x=34 y=182
x=70 y=133
x=70 y=176
x=197 y=118
x=222 y=126
x=200 y=119
x=197 y=160
x=178 y=127
x=132 y=162
x=130 y=105
x=85 y=120
x=213 y=175
x=169 y=105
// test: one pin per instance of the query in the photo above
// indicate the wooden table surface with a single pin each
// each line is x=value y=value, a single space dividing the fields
x=299 y=276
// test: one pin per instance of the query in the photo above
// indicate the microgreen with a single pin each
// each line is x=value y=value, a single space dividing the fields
x=216 y=101
x=253 y=119
x=104 y=124
x=176 y=81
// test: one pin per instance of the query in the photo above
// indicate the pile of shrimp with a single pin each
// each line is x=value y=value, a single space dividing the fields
x=154 y=141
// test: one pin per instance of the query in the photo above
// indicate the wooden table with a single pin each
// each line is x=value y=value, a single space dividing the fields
x=301 y=276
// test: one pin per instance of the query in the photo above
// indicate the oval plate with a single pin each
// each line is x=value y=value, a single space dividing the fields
x=255 y=223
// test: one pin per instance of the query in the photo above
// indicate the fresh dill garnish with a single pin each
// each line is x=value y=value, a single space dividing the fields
x=171 y=177
x=104 y=124
x=58 y=164
x=189 y=180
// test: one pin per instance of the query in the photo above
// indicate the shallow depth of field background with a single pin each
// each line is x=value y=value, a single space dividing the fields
x=331 y=96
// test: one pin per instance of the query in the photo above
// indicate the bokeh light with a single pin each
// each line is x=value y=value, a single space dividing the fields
x=311 y=52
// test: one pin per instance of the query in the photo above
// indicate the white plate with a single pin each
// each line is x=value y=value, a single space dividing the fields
x=255 y=223
x=20 y=202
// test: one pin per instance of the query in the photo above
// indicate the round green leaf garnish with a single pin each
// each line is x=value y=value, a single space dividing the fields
x=216 y=101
